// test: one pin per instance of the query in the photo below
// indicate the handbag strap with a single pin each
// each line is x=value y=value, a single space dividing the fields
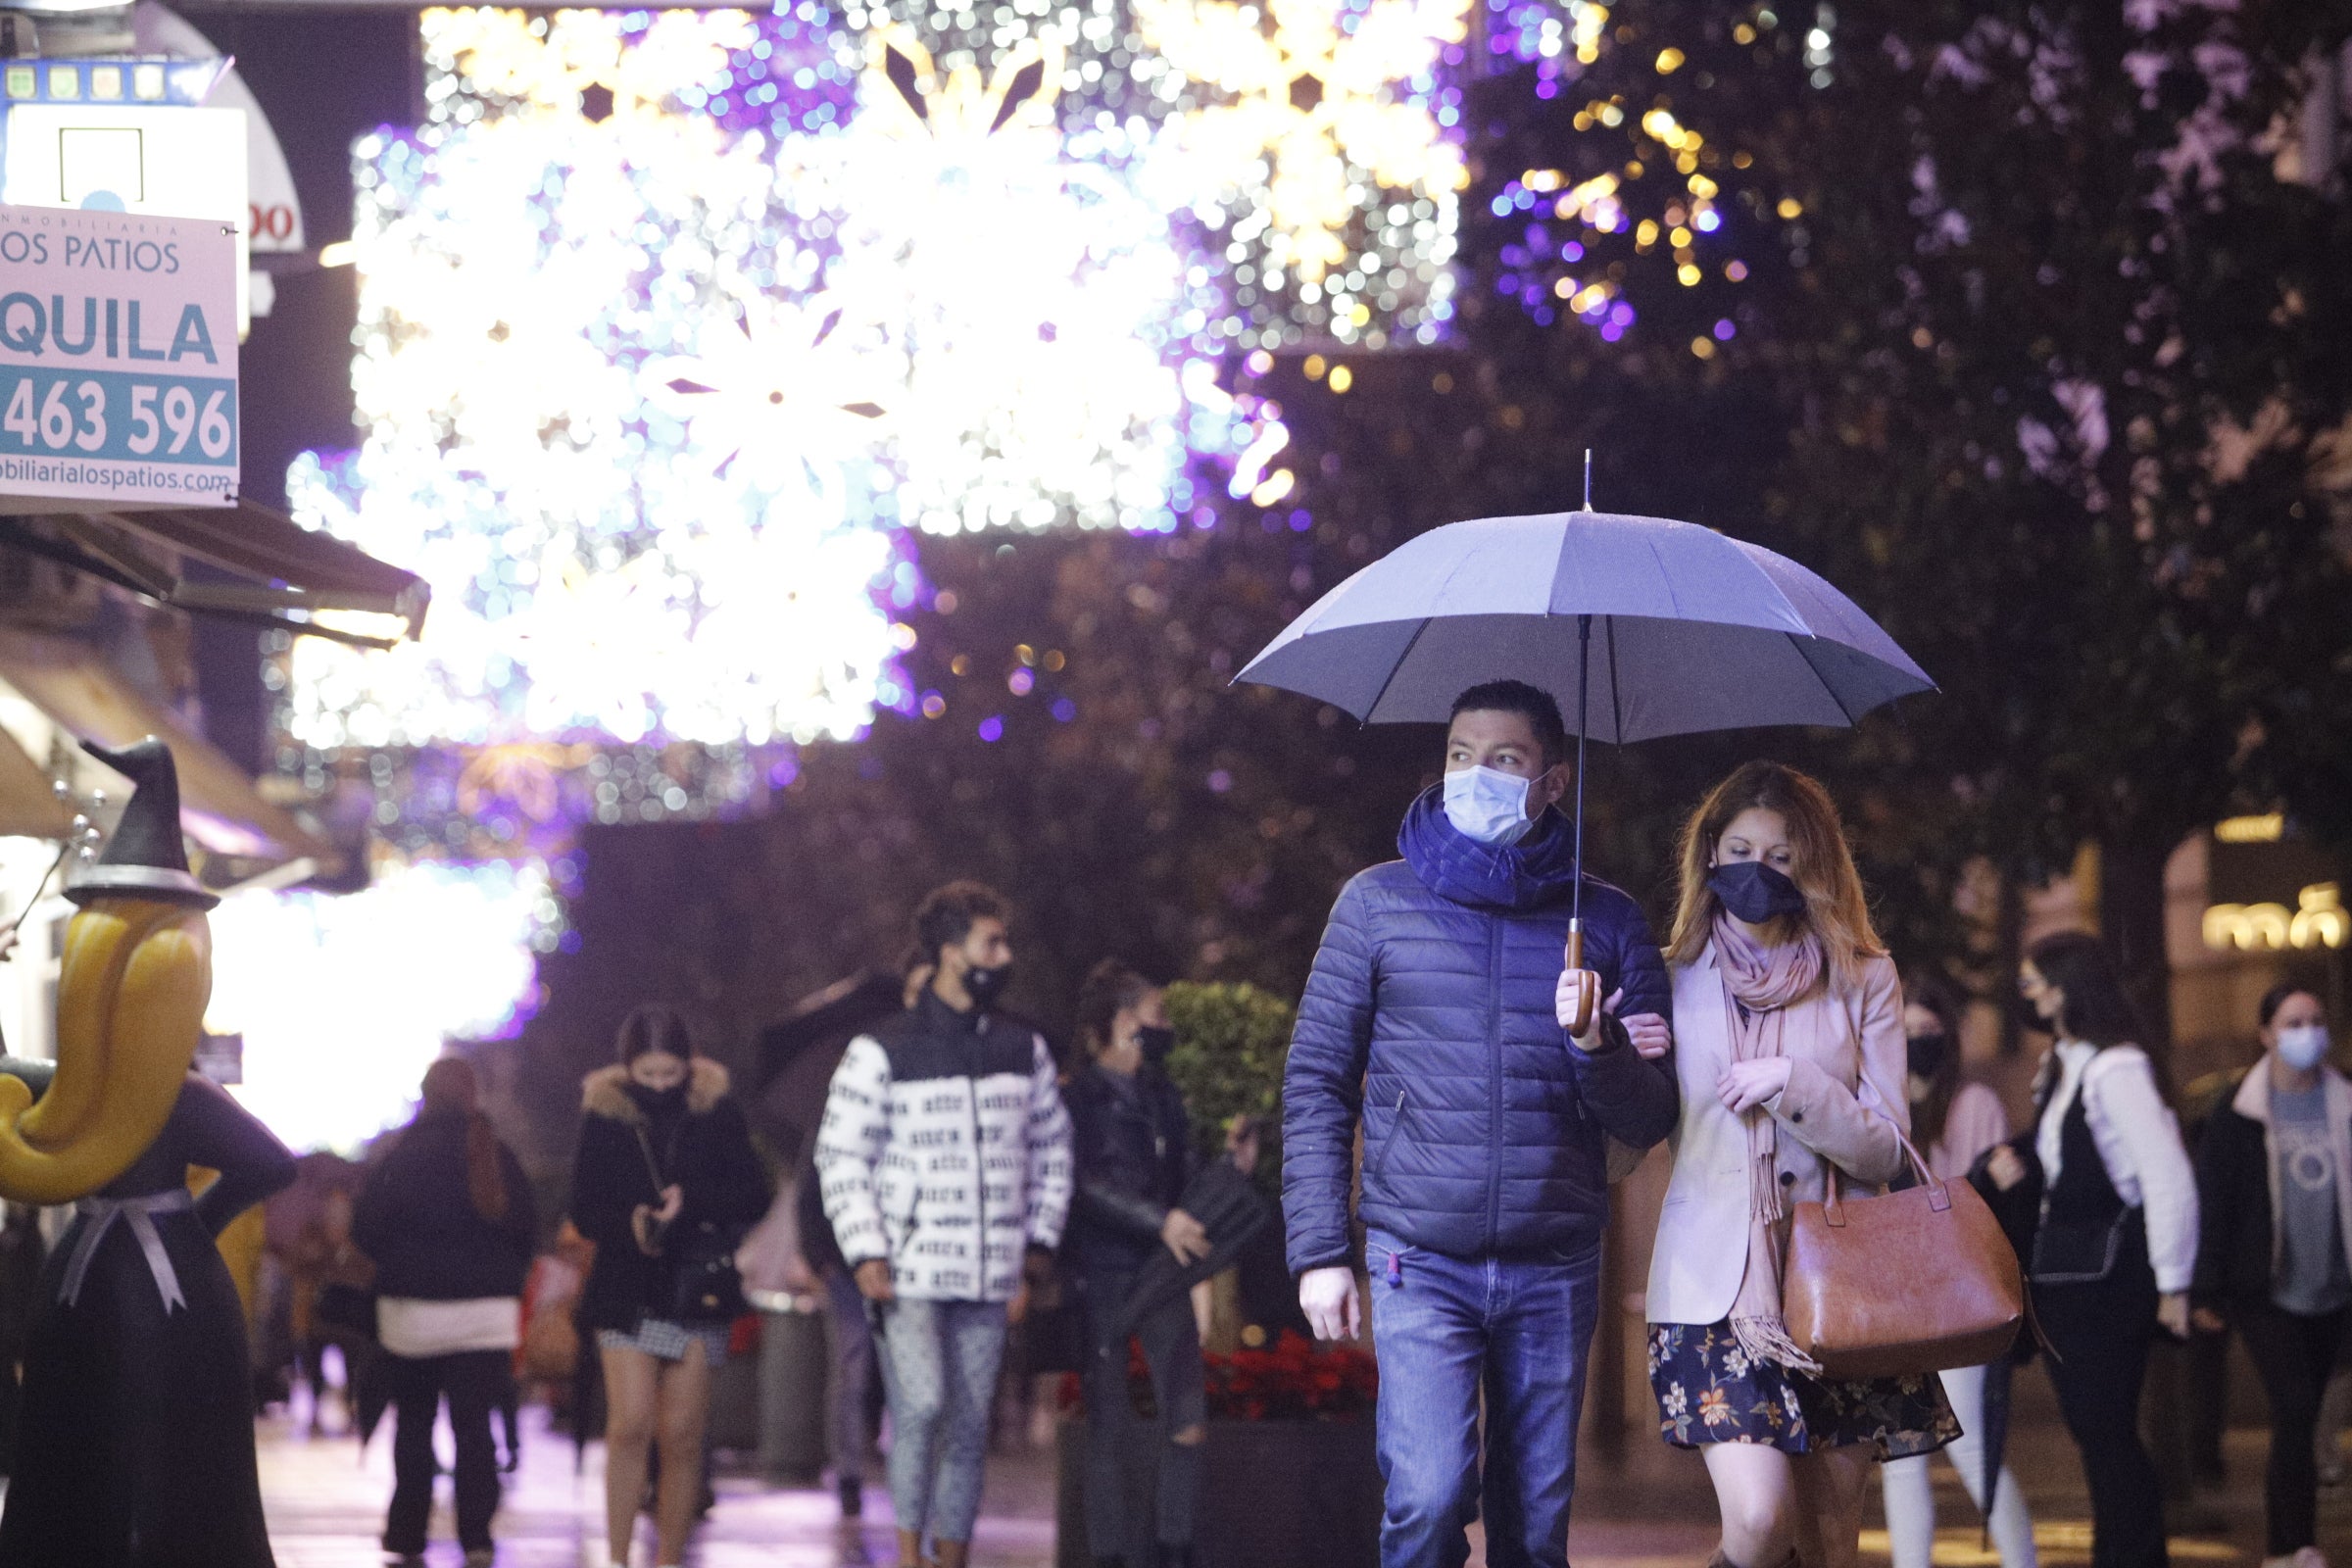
x=1940 y=1193
x=652 y=1167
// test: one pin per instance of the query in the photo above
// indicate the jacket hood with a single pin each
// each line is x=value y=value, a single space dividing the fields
x=1538 y=869
x=606 y=1093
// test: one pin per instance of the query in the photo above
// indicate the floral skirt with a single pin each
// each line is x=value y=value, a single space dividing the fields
x=1709 y=1392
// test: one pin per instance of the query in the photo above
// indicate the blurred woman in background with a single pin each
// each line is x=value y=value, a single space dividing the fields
x=1132 y=1143
x=2275 y=1196
x=447 y=1218
x=2111 y=1206
x=1954 y=1123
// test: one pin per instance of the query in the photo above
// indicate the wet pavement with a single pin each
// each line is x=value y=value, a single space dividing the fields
x=1649 y=1509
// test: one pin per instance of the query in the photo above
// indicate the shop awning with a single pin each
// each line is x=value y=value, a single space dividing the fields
x=291 y=574
x=30 y=807
x=71 y=682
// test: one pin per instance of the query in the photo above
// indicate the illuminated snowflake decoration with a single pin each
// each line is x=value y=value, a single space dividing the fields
x=1325 y=135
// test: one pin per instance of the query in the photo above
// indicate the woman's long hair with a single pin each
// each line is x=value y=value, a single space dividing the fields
x=450 y=1089
x=654 y=1026
x=1929 y=1115
x=1111 y=989
x=2098 y=1009
x=1823 y=867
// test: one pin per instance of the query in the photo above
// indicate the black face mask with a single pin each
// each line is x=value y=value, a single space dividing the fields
x=1927 y=1054
x=985 y=985
x=657 y=1101
x=1754 y=892
x=2030 y=1019
x=1154 y=1040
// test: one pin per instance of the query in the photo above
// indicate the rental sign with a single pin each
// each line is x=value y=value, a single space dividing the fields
x=118 y=360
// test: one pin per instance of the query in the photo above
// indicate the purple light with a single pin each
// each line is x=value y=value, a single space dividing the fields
x=991 y=729
x=1300 y=521
x=1725 y=331
x=1064 y=711
x=1219 y=782
x=1610 y=331
x=1572 y=252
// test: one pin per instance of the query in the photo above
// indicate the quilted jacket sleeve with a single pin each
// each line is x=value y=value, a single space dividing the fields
x=1636 y=1100
x=1323 y=1086
x=1049 y=1150
x=850 y=1143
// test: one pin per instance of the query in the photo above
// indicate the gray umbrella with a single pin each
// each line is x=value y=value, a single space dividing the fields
x=1681 y=627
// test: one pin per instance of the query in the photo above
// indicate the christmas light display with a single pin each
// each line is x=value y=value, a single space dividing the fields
x=344 y=1000
x=677 y=330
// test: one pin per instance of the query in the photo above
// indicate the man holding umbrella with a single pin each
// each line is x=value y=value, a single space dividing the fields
x=1435 y=1016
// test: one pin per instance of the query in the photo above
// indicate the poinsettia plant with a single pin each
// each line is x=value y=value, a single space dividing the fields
x=1291 y=1380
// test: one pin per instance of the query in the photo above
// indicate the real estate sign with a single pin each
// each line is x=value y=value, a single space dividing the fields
x=118 y=360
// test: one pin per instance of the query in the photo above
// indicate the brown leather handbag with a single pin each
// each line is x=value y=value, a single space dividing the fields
x=1903 y=1283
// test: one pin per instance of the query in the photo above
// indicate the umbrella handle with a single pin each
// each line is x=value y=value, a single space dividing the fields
x=1576 y=961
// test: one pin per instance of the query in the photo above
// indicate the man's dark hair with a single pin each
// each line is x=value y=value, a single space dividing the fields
x=1530 y=703
x=944 y=916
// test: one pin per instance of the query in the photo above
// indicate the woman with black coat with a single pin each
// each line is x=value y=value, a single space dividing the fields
x=666 y=1184
x=1132 y=1143
x=447 y=1219
x=2275 y=1192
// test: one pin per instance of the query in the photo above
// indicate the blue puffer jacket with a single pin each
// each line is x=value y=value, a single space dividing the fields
x=1430 y=1014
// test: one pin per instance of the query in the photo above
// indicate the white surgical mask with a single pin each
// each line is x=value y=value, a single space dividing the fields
x=2304 y=1046
x=1486 y=804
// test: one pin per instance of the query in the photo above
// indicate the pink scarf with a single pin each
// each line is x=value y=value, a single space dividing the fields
x=1759 y=983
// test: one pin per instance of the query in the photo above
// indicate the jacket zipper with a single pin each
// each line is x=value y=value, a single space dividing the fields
x=1380 y=1159
x=971 y=1079
x=1493 y=1080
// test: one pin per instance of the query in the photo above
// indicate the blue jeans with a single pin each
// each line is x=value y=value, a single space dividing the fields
x=939 y=1371
x=1446 y=1328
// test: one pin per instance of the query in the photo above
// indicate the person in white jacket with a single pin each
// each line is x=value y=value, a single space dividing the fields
x=945 y=1161
x=2114 y=1233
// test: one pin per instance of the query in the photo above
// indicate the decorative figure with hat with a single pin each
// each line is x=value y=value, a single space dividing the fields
x=137 y=1417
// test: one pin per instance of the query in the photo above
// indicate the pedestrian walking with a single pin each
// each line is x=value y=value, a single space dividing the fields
x=447 y=1218
x=851 y=1338
x=2112 y=1214
x=1433 y=1022
x=666 y=1184
x=1133 y=1145
x=945 y=1161
x=1790 y=1045
x=2274 y=1200
x=1957 y=1122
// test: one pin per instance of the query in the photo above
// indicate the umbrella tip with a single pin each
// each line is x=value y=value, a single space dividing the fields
x=1588 y=479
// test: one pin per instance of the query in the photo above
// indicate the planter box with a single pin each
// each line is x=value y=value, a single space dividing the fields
x=1273 y=1494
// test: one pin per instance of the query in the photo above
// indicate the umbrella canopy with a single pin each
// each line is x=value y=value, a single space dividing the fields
x=1690 y=629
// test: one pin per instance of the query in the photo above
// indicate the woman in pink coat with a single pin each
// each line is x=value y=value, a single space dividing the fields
x=1789 y=1051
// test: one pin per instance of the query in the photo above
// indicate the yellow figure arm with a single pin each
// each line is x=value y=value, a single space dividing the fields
x=131 y=993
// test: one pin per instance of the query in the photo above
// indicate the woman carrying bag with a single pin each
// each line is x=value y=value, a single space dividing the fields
x=1789 y=1051
x=2275 y=1191
x=2111 y=1208
x=1957 y=1122
x=666 y=1184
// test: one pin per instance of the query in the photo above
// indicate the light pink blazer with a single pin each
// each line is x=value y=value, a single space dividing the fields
x=1845 y=1103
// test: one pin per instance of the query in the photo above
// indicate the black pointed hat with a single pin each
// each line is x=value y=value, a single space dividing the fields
x=145 y=857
